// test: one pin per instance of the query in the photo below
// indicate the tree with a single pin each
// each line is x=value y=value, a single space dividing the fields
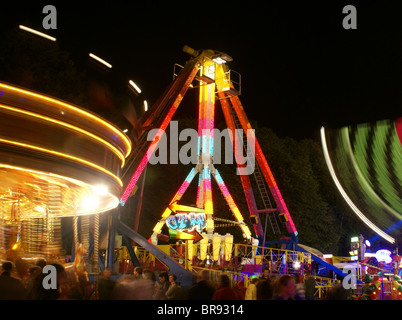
x=41 y=65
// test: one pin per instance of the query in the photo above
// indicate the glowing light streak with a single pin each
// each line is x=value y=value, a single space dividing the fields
x=107 y=64
x=363 y=180
x=41 y=34
x=83 y=113
x=229 y=199
x=63 y=155
x=111 y=204
x=208 y=204
x=184 y=186
x=134 y=85
x=356 y=210
x=67 y=125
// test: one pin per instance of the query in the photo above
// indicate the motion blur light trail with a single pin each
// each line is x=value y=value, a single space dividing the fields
x=367 y=169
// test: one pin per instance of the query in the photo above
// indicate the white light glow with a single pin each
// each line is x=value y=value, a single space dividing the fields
x=100 y=60
x=219 y=60
x=145 y=105
x=43 y=35
x=371 y=225
x=384 y=255
x=133 y=84
x=101 y=189
x=90 y=202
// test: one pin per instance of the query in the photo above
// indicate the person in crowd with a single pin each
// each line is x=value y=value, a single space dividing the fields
x=251 y=292
x=22 y=270
x=34 y=272
x=264 y=287
x=162 y=286
x=203 y=289
x=309 y=284
x=145 y=289
x=337 y=293
x=300 y=288
x=225 y=291
x=41 y=263
x=106 y=285
x=174 y=290
x=11 y=288
x=61 y=292
x=285 y=288
x=137 y=273
x=123 y=287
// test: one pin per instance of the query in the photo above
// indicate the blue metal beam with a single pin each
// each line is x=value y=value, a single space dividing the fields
x=131 y=251
x=322 y=262
x=184 y=276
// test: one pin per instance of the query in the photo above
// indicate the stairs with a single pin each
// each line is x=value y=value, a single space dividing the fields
x=261 y=184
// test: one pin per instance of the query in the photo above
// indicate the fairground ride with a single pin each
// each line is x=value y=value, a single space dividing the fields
x=208 y=72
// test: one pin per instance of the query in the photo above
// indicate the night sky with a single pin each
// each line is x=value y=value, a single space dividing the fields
x=300 y=68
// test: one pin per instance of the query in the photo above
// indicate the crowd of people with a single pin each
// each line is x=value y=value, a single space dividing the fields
x=19 y=283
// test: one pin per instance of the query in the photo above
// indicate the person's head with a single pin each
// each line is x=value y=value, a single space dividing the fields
x=286 y=287
x=7 y=266
x=148 y=275
x=265 y=274
x=163 y=277
x=34 y=270
x=253 y=279
x=204 y=275
x=172 y=278
x=138 y=271
x=107 y=273
x=61 y=273
x=224 y=280
x=41 y=263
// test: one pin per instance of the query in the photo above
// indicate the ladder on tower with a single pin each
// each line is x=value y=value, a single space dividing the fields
x=269 y=211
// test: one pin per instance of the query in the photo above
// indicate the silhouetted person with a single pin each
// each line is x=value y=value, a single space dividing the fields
x=264 y=287
x=309 y=284
x=41 y=263
x=286 y=288
x=10 y=288
x=203 y=289
x=225 y=291
x=337 y=293
x=106 y=285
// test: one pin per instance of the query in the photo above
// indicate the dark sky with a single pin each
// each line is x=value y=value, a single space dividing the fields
x=300 y=69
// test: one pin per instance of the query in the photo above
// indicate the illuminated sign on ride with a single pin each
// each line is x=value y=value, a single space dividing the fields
x=383 y=255
x=187 y=222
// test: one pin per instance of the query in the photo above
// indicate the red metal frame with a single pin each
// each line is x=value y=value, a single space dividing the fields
x=164 y=110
